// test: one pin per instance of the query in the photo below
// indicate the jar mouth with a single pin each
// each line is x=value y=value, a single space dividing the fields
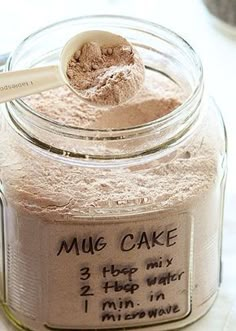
x=162 y=121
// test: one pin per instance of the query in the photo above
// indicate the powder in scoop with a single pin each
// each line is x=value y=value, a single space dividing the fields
x=106 y=75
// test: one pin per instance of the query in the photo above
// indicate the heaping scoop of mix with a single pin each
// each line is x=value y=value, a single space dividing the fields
x=106 y=75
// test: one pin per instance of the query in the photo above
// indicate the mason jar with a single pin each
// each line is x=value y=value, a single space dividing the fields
x=112 y=228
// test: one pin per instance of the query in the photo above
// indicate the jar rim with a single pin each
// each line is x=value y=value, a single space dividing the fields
x=117 y=131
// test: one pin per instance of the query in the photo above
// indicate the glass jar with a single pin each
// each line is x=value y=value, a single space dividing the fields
x=115 y=228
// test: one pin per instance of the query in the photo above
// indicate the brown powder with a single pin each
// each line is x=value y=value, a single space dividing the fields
x=47 y=198
x=156 y=98
x=106 y=75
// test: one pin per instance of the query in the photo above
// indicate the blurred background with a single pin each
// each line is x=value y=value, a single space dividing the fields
x=216 y=46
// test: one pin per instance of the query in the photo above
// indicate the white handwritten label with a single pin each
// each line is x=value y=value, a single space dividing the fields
x=117 y=273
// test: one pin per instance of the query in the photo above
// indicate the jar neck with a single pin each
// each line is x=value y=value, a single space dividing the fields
x=109 y=144
x=156 y=45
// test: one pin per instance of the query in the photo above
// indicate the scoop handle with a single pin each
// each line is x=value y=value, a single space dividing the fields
x=16 y=84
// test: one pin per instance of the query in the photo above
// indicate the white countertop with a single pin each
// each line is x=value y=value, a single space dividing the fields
x=218 y=54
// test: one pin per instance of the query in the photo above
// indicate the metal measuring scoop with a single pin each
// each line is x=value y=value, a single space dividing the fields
x=16 y=84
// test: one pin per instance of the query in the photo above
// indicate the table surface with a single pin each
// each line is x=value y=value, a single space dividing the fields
x=218 y=53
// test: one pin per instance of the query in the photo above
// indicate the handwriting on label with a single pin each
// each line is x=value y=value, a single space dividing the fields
x=115 y=271
x=128 y=242
x=122 y=274
x=151 y=313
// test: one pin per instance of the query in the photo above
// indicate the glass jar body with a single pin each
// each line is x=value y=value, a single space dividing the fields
x=73 y=228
